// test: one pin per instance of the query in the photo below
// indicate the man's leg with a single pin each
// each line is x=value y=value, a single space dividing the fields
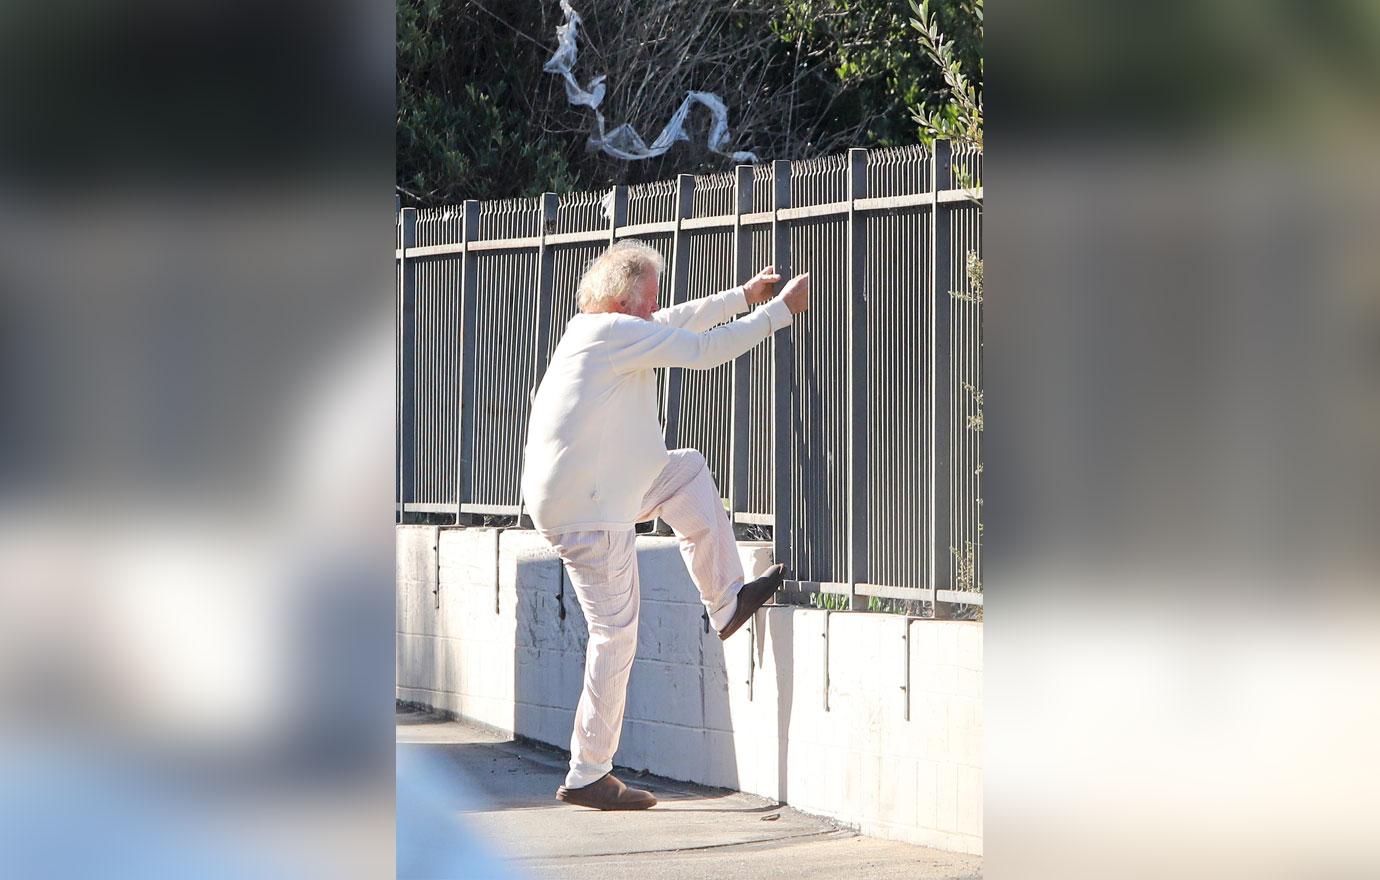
x=603 y=570
x=684 y=495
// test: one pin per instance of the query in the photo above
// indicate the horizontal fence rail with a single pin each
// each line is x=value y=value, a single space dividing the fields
x=854 y=437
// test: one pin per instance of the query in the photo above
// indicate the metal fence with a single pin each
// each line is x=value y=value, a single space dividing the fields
x=864 y=419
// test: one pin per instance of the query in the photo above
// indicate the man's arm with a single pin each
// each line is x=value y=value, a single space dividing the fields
x=644 y=345
x=698 y=315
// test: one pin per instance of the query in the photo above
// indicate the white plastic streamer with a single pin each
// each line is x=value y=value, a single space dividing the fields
x=623 y=141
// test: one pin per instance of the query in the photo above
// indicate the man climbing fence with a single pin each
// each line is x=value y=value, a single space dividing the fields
x=596 y=464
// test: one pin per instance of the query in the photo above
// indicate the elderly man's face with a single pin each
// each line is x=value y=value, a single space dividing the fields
x=646 y=303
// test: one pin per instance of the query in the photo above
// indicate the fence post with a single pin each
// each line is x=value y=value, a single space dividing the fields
x=781 y=386
x=397 y=359
x=857 y=376
x=407 y=369
x=546 y=265
x=469 y=283
x=941 y=403
x=742 y=365
x=680 y=292
x=618 y=216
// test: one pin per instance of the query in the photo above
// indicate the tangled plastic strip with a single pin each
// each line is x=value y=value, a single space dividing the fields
x=624 y=142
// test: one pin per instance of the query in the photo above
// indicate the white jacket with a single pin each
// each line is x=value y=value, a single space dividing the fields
x=594 y=442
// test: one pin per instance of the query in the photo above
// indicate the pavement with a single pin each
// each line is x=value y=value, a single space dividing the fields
x=474 y=803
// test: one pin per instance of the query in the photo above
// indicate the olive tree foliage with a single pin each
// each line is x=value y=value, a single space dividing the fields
x=478 y=118
x=957 y=115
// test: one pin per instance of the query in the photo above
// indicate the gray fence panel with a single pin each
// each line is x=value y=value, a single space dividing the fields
x=503 y=345
x=436 y=373
x=704 y=419
x=651 y=202
x=759 y=445
x=965 y=321
x=897 y=425
x=819 y=423
x=818 y=440
x=505 y=330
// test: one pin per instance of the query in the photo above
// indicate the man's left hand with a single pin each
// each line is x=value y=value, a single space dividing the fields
x=762 y=286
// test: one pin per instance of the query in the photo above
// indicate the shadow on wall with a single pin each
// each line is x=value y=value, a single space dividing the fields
x=782 y=633
x=678 y=722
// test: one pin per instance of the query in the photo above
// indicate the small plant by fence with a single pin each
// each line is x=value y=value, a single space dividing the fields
x=854 y=437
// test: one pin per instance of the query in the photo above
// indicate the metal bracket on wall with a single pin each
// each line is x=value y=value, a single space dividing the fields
x=436 y=546
x=498 y=536
x=560 y=592
x=752 y=654
x=905 y=688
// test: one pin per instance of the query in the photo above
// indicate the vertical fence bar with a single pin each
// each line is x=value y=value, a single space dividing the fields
x=742 y=365
x=680 y=292
x=782 y=355
x=469 y=283
x=407 y=372
x=941 y=503
x=857 y=376
x=546 y=281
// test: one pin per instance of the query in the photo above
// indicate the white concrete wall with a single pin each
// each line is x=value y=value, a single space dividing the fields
x=747 y=714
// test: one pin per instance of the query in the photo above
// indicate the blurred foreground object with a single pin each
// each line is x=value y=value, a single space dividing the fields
x=1184 y=397
x=195 y=448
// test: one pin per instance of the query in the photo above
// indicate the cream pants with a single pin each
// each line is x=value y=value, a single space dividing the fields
x=603 y=570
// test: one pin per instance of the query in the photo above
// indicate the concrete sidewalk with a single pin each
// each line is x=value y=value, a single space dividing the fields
x=502 y=794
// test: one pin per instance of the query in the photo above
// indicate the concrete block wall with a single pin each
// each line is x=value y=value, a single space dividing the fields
x=489 y=628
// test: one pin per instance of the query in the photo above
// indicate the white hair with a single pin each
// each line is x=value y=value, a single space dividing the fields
x=612 y=280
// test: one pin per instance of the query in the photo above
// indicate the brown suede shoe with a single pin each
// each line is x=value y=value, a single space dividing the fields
x=607 y=793
x=753 y=596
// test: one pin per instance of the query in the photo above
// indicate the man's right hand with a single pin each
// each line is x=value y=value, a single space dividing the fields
x=797 y=293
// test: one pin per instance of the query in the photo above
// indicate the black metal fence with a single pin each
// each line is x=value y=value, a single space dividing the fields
x=864 y=419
